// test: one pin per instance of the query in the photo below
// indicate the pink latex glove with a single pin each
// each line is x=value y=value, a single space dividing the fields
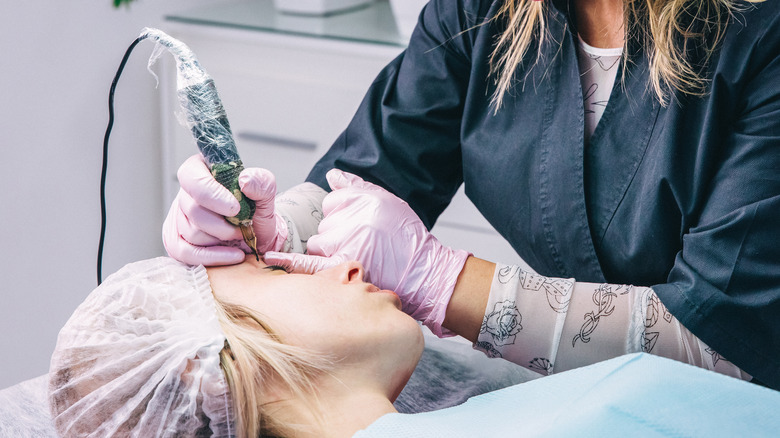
x=365 y=222
x=196 y=232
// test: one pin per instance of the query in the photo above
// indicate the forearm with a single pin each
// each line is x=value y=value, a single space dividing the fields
x=554 y=324
x=466 y=308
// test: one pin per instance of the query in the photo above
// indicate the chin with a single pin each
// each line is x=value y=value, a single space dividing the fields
x=407 y=349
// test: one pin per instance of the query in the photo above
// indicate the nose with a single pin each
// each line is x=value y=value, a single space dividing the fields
x=348 y=272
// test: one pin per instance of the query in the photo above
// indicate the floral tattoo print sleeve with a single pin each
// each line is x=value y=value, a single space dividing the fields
x=554 y=324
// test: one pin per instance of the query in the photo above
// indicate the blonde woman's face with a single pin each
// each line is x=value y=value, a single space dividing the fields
x=333 y=312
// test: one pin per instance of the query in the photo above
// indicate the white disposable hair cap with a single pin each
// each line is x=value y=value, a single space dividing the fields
x=140 y=357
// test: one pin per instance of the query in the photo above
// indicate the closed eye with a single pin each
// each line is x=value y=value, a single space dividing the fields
x=277 y=268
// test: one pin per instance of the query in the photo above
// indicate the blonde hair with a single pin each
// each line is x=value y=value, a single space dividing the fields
x=254 y=361
x=667 y=29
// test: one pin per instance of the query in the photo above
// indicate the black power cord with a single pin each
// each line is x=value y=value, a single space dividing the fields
x=105 y=160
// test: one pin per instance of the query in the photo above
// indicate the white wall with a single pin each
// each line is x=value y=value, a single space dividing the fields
x=57 y=60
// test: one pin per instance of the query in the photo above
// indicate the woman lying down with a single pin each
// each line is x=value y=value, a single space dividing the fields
x=166 y=349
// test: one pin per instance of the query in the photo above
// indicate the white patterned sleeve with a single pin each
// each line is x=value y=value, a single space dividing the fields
x=301 y=208
x=556 y=324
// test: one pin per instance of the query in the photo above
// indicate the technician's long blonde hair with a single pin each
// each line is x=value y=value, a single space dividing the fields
x=666 y=28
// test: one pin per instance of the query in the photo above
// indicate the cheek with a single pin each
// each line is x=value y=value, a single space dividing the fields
x=341 y=333
x=311 y=325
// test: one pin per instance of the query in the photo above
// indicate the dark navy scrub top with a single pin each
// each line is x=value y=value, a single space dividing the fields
x=684 y=198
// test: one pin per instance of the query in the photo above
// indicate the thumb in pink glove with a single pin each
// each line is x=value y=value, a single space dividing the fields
x=365 y=222
x=195 y=230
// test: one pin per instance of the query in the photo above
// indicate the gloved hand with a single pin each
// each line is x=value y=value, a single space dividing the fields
x=365 y=222
x=196 y=232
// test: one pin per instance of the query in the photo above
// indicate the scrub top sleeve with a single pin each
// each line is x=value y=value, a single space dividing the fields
x=405 y=135
x=726 y=278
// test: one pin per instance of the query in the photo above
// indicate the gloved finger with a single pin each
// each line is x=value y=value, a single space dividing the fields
x=185 y=252
x=329 y=244
x=338 y=179
x=259 y=185
x=195 y=178
x=178 y=226
x=193 y=235
x=212 y=255
x=301 y=263
x=199 y=220
x=356 y=201
x=337 y=228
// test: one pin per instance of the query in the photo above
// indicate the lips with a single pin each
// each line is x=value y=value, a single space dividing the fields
x=374 y=289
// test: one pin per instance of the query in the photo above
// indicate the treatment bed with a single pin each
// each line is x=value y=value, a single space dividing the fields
x=633 y=395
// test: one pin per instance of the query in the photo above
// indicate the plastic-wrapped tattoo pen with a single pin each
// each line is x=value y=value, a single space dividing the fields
x=208 y=122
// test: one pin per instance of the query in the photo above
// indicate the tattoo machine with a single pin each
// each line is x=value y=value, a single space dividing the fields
x=208 y=122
